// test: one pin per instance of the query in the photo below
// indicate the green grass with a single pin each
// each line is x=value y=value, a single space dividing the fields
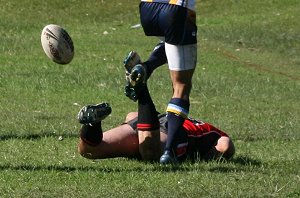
x=247 y=83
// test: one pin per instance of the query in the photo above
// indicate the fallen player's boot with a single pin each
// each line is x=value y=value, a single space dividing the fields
x=137 y=75
x=94 y=113
x=130 y=92
x=131 y=60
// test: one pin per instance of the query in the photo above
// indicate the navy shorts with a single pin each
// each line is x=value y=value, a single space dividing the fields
x=175 y=23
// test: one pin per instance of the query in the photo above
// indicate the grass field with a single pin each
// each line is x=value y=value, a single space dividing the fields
x=247 y=83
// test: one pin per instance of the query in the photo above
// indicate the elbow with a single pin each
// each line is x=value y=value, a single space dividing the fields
x=226 y=147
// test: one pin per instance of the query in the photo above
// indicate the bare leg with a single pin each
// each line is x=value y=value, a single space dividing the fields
x=149 y=145
x=182 y=63
x=178 y=110
x=121 y=141
x=182 y=83
x=148 y=127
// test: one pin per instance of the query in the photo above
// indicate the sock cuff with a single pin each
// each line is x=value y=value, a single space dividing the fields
x=91 y=135
x=89 y=142
x=147 y=126
x=179 y=106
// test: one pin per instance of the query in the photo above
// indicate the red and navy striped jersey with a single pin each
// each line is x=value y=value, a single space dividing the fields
x=197 y=128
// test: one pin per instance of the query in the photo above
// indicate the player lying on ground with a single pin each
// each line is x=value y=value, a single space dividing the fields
x=204 y=140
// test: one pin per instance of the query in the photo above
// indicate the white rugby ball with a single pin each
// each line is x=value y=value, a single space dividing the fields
x=57 y=44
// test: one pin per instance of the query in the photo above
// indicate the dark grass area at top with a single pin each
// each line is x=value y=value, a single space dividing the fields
x=246 y=82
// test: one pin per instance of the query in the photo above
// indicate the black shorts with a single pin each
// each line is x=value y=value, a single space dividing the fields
x=175 y=23
x=162 y=120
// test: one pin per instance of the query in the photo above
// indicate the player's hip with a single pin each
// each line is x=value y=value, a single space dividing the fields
x=175 y=23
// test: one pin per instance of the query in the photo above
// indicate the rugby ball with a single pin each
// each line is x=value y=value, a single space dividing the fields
x=57 y=44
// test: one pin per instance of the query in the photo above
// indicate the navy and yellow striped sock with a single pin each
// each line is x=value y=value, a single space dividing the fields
x=177 y=112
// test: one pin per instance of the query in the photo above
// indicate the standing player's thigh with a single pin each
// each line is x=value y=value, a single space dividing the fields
x=149 y=16
x=181 y=57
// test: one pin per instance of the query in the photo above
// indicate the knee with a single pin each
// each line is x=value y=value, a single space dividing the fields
x=131 y=116
x=149 y=146
x=86 y=150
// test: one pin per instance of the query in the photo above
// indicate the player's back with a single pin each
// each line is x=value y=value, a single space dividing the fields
x=198 y=128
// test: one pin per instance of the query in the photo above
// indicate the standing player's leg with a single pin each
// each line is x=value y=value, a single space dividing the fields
x=178 y=27
x=179 y=33
x=182 y=63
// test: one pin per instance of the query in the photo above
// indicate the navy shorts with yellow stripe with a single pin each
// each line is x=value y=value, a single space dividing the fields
x=175 y=23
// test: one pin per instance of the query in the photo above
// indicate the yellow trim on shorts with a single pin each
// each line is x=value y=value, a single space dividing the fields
x=170 y=2
x=173 y=2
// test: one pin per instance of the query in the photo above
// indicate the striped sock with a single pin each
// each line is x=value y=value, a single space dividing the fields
x=177 y=112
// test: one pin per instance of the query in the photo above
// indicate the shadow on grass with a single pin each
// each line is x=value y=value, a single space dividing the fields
x=59 y=168
x=112 y=169
x=36 y=136
x=243 y=163
x=246 y=162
